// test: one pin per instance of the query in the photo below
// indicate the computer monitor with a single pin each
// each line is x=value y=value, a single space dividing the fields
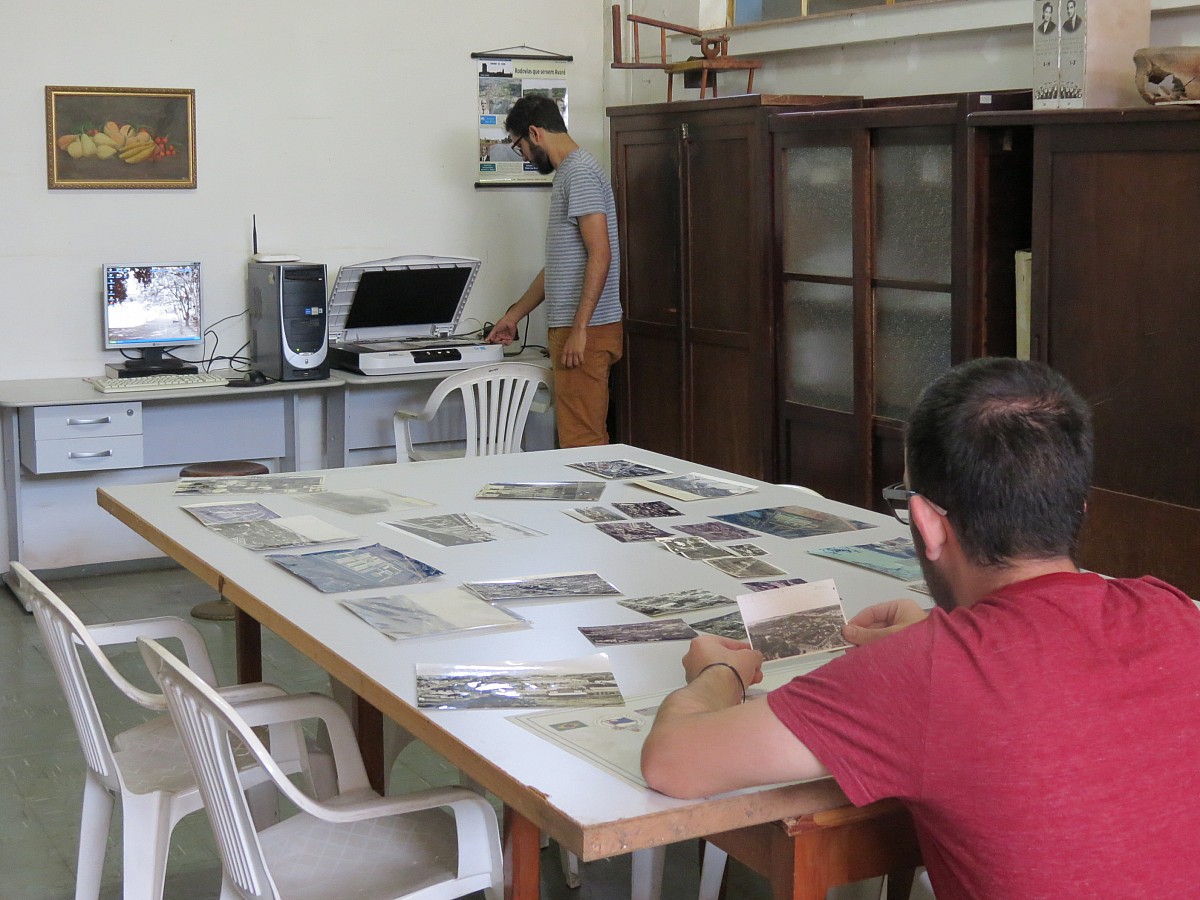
x=152 y=307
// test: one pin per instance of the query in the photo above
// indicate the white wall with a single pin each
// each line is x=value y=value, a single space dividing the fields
x=346 y=127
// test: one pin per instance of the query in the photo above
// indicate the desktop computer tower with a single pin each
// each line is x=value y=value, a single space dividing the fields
x=288 y=334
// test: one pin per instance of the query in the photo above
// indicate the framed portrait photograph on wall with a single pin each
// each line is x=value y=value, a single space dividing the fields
x=105 y=137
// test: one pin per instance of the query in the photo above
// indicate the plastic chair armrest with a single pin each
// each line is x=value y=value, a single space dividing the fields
x=194 y=649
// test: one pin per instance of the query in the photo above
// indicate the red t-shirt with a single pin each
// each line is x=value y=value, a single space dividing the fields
x=1047 y=740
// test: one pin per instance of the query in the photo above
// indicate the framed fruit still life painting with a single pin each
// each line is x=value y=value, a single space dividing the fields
x=102 y=137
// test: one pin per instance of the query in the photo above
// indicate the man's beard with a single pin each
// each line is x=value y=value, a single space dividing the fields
x=939 y=587
x=540 y=160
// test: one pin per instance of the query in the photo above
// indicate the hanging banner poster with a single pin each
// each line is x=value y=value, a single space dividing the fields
x=503 y=81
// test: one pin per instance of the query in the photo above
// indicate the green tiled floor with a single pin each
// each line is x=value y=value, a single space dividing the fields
x=41 y=766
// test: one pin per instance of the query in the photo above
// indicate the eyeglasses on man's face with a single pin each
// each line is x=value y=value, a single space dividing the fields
x=516 y=145
x=898 y=497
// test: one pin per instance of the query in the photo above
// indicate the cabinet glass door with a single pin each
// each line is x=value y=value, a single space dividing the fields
x=818 y=271
x=912 y=180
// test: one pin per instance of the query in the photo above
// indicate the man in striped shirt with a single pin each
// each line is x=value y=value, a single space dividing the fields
x=580 y=281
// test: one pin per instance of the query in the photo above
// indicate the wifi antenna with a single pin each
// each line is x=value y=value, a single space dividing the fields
x=254 y=232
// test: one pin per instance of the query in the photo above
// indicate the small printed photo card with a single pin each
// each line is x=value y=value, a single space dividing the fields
x=363 y=501
x=677 y=602
x=461 y=529
x=221 y=511
x=587 y=491
x=594 y=514
x=745 y=567
x=774 y=583
x=639 y=632
x=542 y=587
x=795 y=620
x=617 y=468
x=252 y=484
x=897 y=557
x=432 y=614
x=655 y=509
x=715 y=531
x=374 y=566
x=694 y=486
x=631 y=532
x=692 y=547
x=792 y=522
x=587 y=681
x=744 y=550
x=279 y=534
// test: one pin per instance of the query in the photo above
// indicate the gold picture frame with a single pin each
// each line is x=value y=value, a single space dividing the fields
x=106 y=137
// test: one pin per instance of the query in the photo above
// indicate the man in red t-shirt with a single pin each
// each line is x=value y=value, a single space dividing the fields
x=1041 y=724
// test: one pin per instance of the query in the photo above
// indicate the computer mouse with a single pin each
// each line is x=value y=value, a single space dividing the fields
x=253 y=379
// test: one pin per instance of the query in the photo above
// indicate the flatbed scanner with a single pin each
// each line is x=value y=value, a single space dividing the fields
x=398 y=316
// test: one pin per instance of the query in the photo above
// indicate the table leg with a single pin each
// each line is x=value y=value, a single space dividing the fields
x=522 y=857
x=368 y=723
x=248 y=647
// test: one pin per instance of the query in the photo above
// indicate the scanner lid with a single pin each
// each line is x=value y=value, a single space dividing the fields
x=401 y=298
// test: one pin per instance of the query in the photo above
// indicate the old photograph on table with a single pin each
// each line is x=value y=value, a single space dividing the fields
x=432 y=613
x=692 y=547
x=252 y=484
x=745 y=567
x=695 y=486
x=715 y=531
x=773 y=583
x=897 y=557
x=792 y=522
x=363 y=501
x=588 y=491
x=219 y=512
x=617 y=468
x=462 y=529
x=356 y=569
x=676 y=602
x=582 y=682
x=593 y=514
x=632 y=532
x=794 y=621
x=281 y=533
x=655 y=509
x=639 y=632
x=539 y=587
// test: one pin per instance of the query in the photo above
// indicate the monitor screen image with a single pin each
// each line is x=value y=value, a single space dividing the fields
x=152 y=306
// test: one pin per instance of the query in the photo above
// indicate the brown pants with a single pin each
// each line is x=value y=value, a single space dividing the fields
x=581 y=393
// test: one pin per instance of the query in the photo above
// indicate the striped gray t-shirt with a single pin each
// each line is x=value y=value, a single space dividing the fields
x=580 y=188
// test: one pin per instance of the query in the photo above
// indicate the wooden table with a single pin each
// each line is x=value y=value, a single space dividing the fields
x=587 y=810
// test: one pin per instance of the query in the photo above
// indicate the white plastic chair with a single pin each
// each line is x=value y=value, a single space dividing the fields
x=146 y=765
x=496 y=401
x=357 y=844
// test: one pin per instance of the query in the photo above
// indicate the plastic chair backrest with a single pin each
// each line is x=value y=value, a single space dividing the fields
x=205 y=723
x=496 y=401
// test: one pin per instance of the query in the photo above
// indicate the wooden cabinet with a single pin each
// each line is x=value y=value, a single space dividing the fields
x=880 y=213
x=1116 y=289
x=692 y=184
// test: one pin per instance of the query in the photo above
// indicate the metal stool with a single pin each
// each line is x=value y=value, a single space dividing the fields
x=220 y=610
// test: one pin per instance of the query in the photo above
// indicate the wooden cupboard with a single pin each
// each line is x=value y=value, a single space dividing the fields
x=1115 y=294
x=692 y=184
x=882 y=214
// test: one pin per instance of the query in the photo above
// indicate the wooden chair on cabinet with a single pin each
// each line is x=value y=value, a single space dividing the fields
x=714 y=54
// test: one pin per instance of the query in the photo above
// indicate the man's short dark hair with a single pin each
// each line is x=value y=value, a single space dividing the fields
x=534 y=109
x=1005 y=447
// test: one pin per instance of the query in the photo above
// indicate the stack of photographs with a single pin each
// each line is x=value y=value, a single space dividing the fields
x=542 y=587
x=253 y=526
x=514 y=685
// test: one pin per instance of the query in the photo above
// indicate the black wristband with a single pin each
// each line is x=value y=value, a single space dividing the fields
x=730 y=667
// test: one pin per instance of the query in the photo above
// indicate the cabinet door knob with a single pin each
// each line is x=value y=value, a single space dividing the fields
x=672 y=309
x=99 y=420
x=95 y=454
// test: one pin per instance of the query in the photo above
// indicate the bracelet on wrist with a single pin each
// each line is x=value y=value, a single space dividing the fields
x=731 y=668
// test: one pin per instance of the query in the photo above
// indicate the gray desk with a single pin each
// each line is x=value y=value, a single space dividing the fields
x=591 y=812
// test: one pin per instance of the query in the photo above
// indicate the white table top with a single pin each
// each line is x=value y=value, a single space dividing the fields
x=590 y=811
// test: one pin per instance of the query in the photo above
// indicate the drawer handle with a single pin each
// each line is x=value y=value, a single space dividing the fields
x=97 y=454
x=100 y=420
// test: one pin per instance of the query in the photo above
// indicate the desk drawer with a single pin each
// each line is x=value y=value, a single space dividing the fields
x=121 y=451
x=53 y=423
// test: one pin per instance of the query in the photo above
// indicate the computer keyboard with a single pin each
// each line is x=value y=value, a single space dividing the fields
x=108 y=385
